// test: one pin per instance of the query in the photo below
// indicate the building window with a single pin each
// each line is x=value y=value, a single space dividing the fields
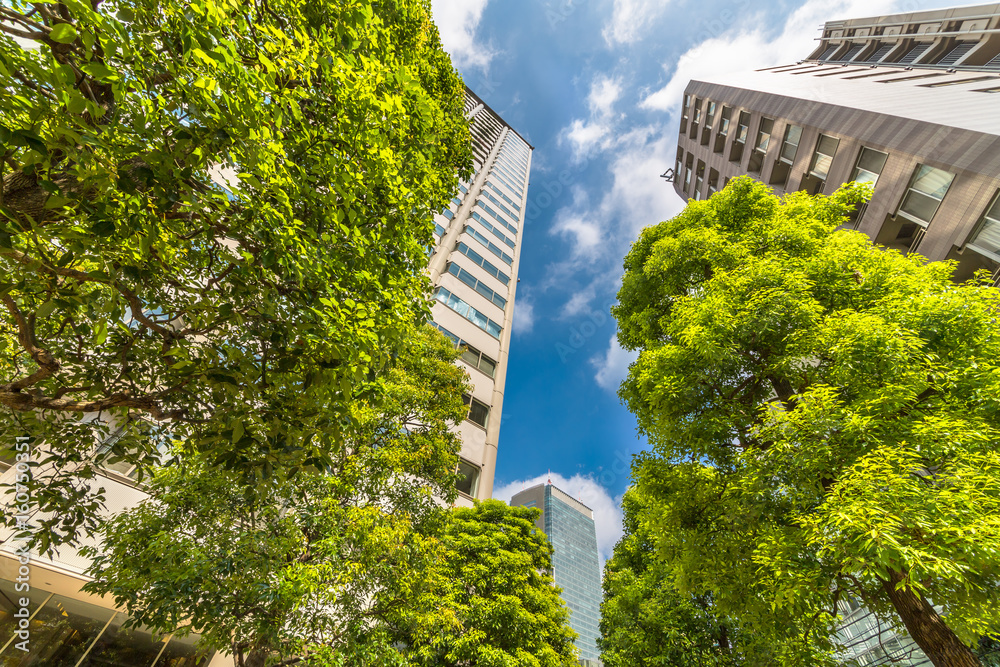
x=786 y=156
x=688 y=166
x=685 y=111
x=790 y=144
x=706 y=134
x=720 y=138
x=713 y=182
x=679 y=165
x=696 y=119
x=822 y=159
x=740 y=140
x=922 y=199
x=468 y=312
x=479 y=412
x=869 y=166
x=477 y=359
x=476 y=284
x=448 y=213
x=468 y=478
x=760 y=145
x=699 y=179
x=986 y=238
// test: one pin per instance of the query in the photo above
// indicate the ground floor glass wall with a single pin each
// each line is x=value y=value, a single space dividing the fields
x=65 y=632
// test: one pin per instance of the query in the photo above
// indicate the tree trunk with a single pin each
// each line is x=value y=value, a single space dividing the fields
x=927 y=629
x=256 y=657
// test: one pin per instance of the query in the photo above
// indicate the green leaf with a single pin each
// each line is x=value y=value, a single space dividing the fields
x=64 y=33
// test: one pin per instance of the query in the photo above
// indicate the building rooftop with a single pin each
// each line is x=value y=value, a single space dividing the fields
x=959 y=105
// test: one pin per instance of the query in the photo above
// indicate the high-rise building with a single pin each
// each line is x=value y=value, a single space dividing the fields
x=907 y=102
x=569 y=525
x=474 y=269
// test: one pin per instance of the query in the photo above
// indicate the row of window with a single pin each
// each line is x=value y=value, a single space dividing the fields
x=860 y=52
x=495 y=173
x=492 y=247
x=497 y=217
x=476 y=284
x=489 y=226
x=500 y=193
x=478 y=259
x=470 y=355
x=468 y=312
x=516 y=162
x=507 y=170
x=923 y=197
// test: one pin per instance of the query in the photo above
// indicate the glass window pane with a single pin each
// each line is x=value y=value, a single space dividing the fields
x=872 y=160
x=470 y=355
x=863 y=176
x=821 y=165
x=933 y=182
x=469 y=478
x=988 y=237
x=827 y=145
x=919 y=206
x=793 y=134
x=479 y=413
x=487 y=365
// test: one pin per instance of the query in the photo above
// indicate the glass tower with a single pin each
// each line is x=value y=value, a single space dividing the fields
x=569 y=525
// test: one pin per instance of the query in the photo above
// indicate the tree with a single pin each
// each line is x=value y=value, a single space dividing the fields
x=501 y=607
x=645 y=620
x=213 y=214
x=823 y=416
x=312 y=568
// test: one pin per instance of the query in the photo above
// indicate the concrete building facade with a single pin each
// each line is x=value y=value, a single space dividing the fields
x=474 y=269
x=569 y=525
x=907 y=102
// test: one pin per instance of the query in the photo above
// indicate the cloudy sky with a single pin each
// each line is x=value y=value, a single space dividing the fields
x=595 y=86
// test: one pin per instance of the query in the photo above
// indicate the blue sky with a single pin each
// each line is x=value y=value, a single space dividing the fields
x=595 y=87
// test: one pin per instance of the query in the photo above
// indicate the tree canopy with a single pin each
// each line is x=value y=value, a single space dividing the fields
x=500 y=606
x=823 y=416
x=318 y=568
x=646 y=620
x=213 y=214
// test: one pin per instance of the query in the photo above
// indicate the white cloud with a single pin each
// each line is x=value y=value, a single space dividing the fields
x=607 y=510
x=628 y=19
x=604 y=92
x=524 y=316
x=584 y=136
x=595 y=133
x=585 y=234
x=579 y=303
x=754 y=46
x=612 y=366
x=458 y=20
